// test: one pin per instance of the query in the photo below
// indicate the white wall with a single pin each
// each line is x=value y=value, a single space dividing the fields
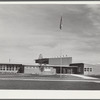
x=31 y=70
x=36 y=70
x=95 y=69
x=49 y=71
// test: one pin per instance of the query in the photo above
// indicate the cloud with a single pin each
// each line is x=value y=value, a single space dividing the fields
x=28 y=30
x=94 y=14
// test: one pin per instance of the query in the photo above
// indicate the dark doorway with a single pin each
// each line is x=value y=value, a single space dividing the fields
x=57 y=70
x=69 y=70
x=75 y=71
x=66 y=70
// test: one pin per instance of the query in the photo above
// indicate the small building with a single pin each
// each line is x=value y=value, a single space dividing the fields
x=62 y=65
x=52 y=66
x=90 y=69
x=11 y=68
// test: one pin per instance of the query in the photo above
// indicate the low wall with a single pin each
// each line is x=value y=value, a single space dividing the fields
x=36 y=70
x=31 y=70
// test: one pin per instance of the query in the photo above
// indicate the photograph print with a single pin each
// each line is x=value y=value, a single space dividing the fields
x=50 y=46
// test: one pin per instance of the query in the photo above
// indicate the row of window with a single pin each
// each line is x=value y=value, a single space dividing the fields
x=88 y=69
x=9 y=68
x=32 y=67
x=37 y=67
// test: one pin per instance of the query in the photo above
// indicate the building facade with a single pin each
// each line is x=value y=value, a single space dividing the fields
x=11 y=68
x=36 y=69
x=52 y=66
x=62 y=65
x=90 y=69
x=65 y=66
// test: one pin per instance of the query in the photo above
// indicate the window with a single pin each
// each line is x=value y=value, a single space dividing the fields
x=3 y=68
x=0 y=67
x=84 y=69
x=87 y=69
x=79 y=69
x=12 y=68
x=90 y=69
x=16 y=68
x=7 y=67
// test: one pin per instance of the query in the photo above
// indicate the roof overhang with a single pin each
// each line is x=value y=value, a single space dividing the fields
x=59 y=66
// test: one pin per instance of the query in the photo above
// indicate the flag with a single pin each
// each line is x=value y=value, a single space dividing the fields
x=61 y=23
x=9 y=60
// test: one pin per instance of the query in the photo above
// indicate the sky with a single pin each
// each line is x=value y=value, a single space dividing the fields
x=32 y=29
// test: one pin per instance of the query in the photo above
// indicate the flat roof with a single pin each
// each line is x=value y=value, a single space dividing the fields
x=53 y=58
x=76 y=63
x=48 y=66
x=59 y=66
x=31 y=65
x=9 y=64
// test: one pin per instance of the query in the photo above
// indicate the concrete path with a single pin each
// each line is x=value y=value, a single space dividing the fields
x=49 y=80
x=46 y=80
x=83 y=76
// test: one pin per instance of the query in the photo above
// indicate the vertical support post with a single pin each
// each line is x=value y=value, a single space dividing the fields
x=61 y=46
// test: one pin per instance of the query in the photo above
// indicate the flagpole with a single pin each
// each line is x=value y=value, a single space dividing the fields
x=61 y=55
x=61 y=46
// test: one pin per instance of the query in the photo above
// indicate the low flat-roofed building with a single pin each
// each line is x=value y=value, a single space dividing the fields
x=62 y=65
x=52 y=66
x=91 y=69
x=11 y=68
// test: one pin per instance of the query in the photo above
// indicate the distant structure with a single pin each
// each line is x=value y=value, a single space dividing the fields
x=11 y=68
x=51 y=66
x=40 y=56
x=56 y=65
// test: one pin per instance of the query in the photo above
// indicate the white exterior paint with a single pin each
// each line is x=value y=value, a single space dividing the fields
x=49 y=71
x=4 y=68
x=29 y=69
x=90 y=69
x=32 y=69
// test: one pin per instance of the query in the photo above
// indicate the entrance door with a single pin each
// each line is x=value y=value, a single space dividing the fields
x=75 y=71
x=69 y=70
x=66 y=71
